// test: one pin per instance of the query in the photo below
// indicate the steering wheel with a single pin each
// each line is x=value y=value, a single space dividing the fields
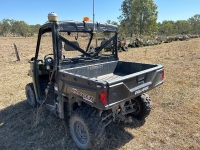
x=48 y=60
x=47 y=55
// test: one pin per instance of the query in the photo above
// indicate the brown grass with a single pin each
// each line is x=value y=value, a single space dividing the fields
x=173 y=124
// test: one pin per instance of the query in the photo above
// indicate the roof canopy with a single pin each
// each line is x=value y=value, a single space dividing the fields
x=77 y=26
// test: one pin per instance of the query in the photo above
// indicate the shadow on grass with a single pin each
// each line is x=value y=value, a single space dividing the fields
x=21 y=127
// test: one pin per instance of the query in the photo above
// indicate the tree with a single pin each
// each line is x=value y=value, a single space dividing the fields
x=36 y=28
x=20 y=28
x=195 y=23
x=112 y=22
x=1 y=28
x=167 y=28
x=144 y=16
x=139 y=16
x=125 y=18
x=15 y=28
x=183 y=27
x=108 y=21
x=5 y=27
x=25 y=29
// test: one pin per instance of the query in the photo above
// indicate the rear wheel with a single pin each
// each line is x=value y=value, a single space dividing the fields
x=87 y=129
x=124 y=48
x=142 y=105
x=30 y=95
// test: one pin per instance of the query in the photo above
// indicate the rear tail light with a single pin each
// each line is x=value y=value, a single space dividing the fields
x=163 y=75
x=103 y=97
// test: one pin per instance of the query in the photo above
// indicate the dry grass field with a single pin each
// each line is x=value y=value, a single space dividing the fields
x=174 y=123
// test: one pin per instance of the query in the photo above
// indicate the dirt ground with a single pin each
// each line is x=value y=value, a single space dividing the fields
x=174 y=122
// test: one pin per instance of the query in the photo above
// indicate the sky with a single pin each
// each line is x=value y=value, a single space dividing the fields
x=36 y=11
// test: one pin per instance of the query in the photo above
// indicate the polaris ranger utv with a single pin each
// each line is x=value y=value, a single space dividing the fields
x=93 y=88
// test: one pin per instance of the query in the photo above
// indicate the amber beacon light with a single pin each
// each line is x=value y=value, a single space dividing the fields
x=86 y=19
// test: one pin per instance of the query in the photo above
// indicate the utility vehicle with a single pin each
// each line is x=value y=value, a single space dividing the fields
x=88 y=86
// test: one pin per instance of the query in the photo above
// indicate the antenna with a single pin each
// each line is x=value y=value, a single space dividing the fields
x=93 y=18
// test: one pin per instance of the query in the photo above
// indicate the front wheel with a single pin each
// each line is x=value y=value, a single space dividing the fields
x=86 y=128
x=30 y=95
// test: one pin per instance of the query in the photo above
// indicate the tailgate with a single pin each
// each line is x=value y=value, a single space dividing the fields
x=134 y=84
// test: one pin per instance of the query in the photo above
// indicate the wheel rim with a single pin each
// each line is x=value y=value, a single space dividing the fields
x=80 y=132
x=31 y=97
x=136 y=106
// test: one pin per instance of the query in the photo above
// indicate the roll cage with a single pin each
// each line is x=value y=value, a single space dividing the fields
x=69 y=27
x=72 y=26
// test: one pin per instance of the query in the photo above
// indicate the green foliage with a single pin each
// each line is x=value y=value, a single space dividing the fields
x=1 y=28
x=126 y=10
x=36 y=28
x=139 y=16
x=112 y=22
x=20 y=28
x=167 y=28
x=5 y=26
x=195 y=23
x=144 y=16
x=183 y=27
x=125 y=18
x=17 y=28
x=171 y=28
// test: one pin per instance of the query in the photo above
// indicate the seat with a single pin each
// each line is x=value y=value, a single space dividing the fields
x=67 y=47
x=109 y=46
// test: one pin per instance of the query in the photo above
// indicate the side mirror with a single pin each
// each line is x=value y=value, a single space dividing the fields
x=31 y=60
x=67 y=47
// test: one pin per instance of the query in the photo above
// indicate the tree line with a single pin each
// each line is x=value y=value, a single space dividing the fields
x=10 y=27
x=190 y=26
x=139 y=17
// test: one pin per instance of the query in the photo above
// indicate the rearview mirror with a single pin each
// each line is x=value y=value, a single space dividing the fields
x=67 y=47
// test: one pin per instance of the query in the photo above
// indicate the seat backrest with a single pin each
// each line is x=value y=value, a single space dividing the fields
x=107 y=46
x=67 y=47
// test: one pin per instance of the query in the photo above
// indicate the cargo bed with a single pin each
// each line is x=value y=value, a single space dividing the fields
x=109 y=71
x=110 y=77
x=124 y=80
